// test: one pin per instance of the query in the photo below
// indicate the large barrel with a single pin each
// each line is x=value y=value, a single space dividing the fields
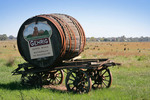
x=46 y=40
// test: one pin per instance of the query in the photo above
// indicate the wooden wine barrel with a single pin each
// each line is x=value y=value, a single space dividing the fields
x=46 y=40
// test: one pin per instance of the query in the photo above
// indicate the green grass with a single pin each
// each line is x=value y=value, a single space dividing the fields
x=130 y=82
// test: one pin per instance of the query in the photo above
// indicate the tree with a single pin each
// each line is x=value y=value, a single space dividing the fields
x=92 y=39
x=102 y=39
x=11 y=37
x=3 y=37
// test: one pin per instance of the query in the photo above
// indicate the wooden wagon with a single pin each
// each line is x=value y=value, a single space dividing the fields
x=48 y=42
x=82 y=74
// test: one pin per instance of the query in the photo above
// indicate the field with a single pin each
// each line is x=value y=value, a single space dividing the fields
x=130 y=80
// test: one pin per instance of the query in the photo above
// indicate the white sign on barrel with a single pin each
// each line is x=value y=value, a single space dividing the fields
x=38 y=37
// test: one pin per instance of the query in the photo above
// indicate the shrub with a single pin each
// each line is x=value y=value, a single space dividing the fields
x=141 y=58
x=10 y=62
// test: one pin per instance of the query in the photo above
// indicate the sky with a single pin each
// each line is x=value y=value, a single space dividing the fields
x=99 y=18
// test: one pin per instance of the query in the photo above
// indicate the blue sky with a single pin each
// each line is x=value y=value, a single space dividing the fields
x=99 y=18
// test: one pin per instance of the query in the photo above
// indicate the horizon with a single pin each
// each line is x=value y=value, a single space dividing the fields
x=129 y=18
x=99 y=37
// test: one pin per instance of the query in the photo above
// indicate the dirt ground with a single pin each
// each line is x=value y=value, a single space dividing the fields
x=56 y=87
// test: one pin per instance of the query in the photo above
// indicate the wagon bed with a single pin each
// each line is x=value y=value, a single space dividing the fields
x=73 y=64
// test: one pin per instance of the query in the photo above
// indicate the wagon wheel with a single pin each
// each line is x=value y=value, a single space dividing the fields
x=102 y=79
x=78 y=81
x=31 y=79
x=54 y=77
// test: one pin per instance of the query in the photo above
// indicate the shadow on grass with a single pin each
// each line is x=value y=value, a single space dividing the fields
x=14 y=86
x=18 y=86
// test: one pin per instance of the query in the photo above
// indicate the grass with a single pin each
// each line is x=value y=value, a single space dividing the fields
x=130 y=81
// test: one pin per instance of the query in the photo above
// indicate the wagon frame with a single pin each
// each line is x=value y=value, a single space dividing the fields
x=82 y=74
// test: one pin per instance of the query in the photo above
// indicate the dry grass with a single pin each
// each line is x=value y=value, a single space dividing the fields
x=8 y=49
x=127 y=53
x=9 y=53
x=108 y=49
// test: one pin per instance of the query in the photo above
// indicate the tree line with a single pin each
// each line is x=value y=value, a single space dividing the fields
x=5 y=37
x=118 y=39
x=94 y=39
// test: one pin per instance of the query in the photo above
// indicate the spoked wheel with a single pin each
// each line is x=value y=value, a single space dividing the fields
x=54 y=77
x=31 y=79
x=78 y=81
x=102 y=79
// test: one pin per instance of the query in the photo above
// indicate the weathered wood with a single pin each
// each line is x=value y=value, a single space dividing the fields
x=79 y=64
